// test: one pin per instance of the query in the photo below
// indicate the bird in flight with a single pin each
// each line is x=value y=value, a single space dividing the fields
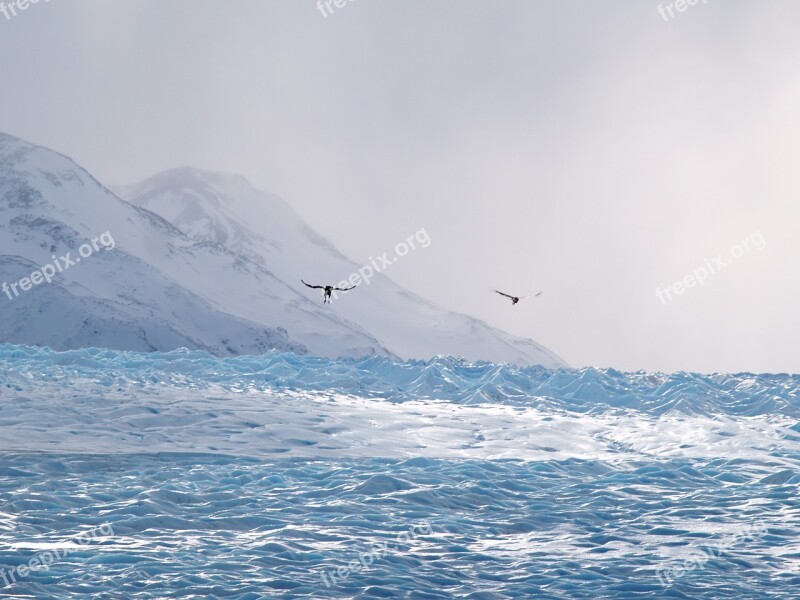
x=327 y=290
x=515 y=299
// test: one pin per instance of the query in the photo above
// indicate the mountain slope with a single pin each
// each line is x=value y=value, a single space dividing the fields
x=156 y=289
x=202 y=261
x=226 y=210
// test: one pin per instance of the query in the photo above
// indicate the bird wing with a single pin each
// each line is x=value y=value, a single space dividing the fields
x=531 y=296
x=314 y=287
x=502 y=294
x=345 y=289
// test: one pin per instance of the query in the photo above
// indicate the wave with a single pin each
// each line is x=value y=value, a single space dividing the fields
x=446 y=378
x=267 y=476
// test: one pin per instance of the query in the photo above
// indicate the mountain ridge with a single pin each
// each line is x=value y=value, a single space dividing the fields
x=204 y=259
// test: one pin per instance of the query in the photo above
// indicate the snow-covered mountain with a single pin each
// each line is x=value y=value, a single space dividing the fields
x=226 y=210
x=156 y=289
x=204 y=261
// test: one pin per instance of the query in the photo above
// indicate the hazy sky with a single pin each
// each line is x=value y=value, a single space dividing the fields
x=593 y=150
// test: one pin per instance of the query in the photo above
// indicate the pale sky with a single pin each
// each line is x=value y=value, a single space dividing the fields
x=592 y=150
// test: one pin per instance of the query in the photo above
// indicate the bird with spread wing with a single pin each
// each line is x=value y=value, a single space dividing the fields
x=327 y=290
x=515 y=299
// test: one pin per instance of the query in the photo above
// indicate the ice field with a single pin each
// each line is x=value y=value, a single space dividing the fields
x=168 y=475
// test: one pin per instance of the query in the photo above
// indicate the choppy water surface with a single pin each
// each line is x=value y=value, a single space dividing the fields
x=181 y=475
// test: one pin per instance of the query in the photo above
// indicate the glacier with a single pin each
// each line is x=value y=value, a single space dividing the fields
x=273 y=475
